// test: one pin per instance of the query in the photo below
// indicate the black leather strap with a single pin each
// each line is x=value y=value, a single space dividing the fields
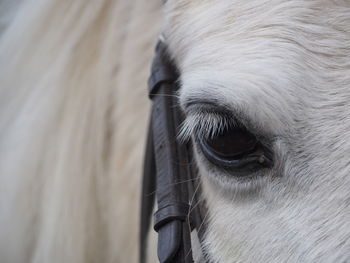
x=148 y=194
x=169 y=189
x=162 y=71
x=171 y=166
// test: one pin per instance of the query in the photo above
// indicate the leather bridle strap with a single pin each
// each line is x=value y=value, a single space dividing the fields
x=148 y=192
x=169 y=164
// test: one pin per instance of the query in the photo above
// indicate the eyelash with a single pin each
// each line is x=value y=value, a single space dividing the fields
x=204 y=125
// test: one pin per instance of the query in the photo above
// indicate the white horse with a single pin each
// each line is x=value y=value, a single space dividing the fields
x=73 y=116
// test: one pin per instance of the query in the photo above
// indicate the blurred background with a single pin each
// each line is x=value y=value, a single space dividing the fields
x=73 y=119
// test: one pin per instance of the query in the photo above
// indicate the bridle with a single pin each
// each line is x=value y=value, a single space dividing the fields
x=169 y=171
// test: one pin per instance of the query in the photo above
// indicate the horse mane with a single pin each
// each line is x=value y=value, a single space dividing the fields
x=73 y=112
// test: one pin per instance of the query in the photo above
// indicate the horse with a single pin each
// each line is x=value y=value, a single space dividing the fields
x=264 y=87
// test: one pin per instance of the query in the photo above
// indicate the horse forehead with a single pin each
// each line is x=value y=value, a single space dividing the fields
x=255 y=50
x=201 y=21
x=221 y=53
x=214 y=25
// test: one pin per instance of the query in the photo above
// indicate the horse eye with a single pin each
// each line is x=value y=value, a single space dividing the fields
x=236 y=148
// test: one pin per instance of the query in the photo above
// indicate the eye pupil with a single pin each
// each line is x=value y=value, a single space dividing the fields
x=236 y=148
x=232 y=143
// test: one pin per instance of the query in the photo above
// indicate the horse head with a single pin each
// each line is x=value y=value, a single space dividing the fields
x=265 y=90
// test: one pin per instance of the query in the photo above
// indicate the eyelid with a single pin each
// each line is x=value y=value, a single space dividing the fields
x=205 y=118
x=204 y=105
x=204 y=125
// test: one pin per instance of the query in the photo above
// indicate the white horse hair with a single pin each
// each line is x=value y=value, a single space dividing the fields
x=74 y=111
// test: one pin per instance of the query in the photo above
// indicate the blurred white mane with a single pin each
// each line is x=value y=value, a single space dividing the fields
x=73 y=110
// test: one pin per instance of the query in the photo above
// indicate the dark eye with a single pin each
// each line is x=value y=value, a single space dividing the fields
x=236 y=148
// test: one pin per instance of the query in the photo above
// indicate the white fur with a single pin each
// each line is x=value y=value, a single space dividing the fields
x=73 y=112
x=283 y=67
